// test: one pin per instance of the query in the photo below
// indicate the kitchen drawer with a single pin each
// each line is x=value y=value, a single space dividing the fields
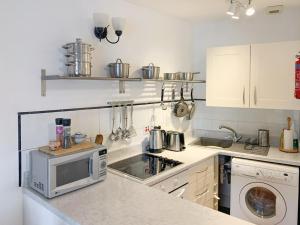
x=173 y=182
x=205 y=166
x=205 y=199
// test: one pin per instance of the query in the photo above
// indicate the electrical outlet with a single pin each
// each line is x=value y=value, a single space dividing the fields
x=146 y=130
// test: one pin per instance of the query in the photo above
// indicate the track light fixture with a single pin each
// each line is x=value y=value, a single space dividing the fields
x=236 y=6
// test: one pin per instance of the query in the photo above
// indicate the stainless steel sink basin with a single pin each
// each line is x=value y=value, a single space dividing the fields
x=222 y=143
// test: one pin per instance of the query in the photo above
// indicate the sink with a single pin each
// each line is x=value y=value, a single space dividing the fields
x=233 y=147
x=222 y=143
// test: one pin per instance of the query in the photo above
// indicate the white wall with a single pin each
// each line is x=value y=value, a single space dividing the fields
x=32 y=33
x=257 y=29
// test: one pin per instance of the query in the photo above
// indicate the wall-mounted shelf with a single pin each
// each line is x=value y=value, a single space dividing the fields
x=176 y=81
x=45 y=78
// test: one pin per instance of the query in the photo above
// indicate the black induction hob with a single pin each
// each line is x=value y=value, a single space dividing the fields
x=144 y=165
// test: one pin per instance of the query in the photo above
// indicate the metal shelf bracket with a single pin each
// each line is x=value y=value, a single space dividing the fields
x=121 y=87
x=43 y=82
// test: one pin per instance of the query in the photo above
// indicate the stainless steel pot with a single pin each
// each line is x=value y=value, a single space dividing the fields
x=171 y=76
x=119 y=69
x=187 y=75
x=150 y=71
x=78 y=47
x=86 y=57
x=78 y=69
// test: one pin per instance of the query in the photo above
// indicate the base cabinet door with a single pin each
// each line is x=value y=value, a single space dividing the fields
x=205 y=199
x=273 y=75
x=227 y=76
x=201 y=184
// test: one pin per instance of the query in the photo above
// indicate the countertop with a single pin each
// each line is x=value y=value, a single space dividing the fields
x=120 y=201
x=194 y=154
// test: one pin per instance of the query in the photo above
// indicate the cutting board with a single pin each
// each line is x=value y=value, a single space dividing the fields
x=75 y=148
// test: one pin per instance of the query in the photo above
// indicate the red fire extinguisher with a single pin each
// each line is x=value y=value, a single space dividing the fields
x=297 y=77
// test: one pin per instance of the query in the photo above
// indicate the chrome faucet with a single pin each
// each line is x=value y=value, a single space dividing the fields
x=235 y=136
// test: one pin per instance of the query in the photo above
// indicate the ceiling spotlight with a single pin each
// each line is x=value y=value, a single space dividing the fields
x=236 y=14
x=231 y=9
x=236 y=6
x=235 y=17
x=250 y=11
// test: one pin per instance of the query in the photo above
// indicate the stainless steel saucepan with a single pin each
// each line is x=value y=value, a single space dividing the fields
x=77 y=69
x=151 y=71
x=187 y=75
x=119 y=69
x=192 y=107
x=78 y=47
x=171 y=76
x=181 y=108
x=86 y=57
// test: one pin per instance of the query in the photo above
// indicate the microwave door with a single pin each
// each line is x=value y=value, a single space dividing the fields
x=71 y=174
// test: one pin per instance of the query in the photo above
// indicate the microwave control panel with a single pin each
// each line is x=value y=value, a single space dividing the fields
x=102 y=155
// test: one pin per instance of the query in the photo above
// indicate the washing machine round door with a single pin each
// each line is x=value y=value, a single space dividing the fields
x=262 y=204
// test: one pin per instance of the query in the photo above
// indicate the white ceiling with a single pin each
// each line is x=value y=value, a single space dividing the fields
x=197 y=10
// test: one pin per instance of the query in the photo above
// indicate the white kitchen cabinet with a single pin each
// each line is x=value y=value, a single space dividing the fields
x=227 y=80
x=35 y=213
x=202 y=184
x=272 y=82
x=198 y=184
x=255 y=76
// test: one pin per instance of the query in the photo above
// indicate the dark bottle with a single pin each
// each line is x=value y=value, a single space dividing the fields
x=66 y=140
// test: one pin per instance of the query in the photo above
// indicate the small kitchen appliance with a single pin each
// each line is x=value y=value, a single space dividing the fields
x=175 y=141
x=263 y=138
x=56 y=175
x=157 y=140
x=144 y=165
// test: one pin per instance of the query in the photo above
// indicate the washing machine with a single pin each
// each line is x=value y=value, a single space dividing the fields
x=264 y=193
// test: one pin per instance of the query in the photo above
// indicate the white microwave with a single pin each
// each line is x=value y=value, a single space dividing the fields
x=53 y=176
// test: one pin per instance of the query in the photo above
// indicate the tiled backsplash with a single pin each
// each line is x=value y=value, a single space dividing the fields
x=244 y=121
x=38 y=129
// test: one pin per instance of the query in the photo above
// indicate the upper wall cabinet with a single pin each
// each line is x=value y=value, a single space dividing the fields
x=269 y=84
x=272 y=81
x=227 y=81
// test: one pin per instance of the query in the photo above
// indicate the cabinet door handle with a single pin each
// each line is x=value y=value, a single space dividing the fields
x=255 y=96
x=206 y=191
x=180 y=195
x=244 y=101
x=216 y=197
x=202 y=171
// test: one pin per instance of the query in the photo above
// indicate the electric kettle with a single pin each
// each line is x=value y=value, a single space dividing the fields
x=157 y=140
x=175 y=141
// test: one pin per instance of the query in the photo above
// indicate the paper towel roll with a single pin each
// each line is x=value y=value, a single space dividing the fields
x=288 y=139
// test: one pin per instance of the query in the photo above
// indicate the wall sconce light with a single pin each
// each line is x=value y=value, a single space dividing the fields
x=102 y=23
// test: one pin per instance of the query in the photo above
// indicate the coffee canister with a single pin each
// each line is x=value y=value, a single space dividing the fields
x=263 y=138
